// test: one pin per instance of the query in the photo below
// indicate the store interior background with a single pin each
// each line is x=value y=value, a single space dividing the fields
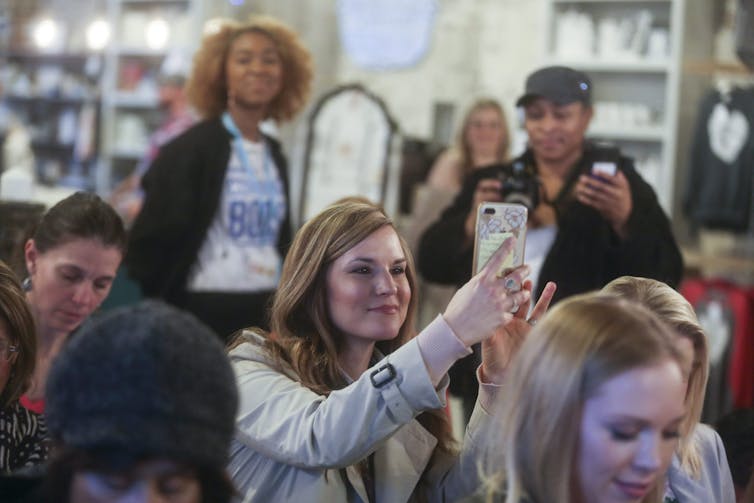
x=475 y=48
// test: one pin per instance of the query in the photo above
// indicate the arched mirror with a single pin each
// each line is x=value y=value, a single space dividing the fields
x=350 y=150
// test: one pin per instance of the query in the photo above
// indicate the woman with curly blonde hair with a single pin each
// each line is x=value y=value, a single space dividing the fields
x=215 y=222
x=208 y=86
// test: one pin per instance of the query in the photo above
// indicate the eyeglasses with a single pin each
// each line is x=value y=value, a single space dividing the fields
x=6 y=350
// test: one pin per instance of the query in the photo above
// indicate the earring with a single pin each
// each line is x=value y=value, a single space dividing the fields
x=26 y=284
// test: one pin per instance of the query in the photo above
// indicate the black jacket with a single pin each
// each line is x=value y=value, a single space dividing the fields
x=586 y=253
x=182 y=193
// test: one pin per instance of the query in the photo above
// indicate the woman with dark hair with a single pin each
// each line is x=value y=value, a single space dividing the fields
x=342 y=400
x=21 y=431
x=215 y=222
x=71 y=260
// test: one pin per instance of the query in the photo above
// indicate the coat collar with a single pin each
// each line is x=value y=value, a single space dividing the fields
x=402 y=460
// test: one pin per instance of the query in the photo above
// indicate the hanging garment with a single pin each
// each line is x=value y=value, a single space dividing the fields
x=719 y=190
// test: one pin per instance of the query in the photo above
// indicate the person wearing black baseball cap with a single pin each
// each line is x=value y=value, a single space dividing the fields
x=592 y=217
x=559 y=84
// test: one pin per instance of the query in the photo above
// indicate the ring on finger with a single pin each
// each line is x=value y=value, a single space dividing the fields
x=514 y=309
x=510 y=284
x=531 y=321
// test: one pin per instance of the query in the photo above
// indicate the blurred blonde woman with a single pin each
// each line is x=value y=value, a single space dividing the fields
x=482 y=140
x=593 y=407
x=699 y=471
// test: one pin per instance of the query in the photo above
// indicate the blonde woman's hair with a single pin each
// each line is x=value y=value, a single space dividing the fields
x=467 y=160
x=580 y=344
x=207 y=88
x=676 y=311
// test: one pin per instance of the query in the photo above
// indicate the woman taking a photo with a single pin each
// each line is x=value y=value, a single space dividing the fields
x=341 y=401
x=213 y=230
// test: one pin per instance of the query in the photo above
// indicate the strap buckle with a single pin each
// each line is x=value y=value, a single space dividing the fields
x=382 y=375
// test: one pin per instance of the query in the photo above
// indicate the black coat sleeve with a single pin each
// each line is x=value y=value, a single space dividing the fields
x=181 y=189
x=650 y=250
x=445 y=255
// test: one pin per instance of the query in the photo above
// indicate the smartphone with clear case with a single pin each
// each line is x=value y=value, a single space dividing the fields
x=495 y=222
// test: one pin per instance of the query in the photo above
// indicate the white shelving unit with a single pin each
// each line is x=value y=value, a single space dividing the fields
x=637 y=78
x=130 y=101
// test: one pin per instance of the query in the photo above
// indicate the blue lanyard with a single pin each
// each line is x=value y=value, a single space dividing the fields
x=241 y=151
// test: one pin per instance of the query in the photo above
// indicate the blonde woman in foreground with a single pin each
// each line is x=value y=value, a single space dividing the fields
x=699 y=471
x=593 y=407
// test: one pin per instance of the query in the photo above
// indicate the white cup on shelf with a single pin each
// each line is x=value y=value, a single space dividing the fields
x=658 y=44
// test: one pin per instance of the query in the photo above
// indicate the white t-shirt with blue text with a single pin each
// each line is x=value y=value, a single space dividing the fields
x=239 y=253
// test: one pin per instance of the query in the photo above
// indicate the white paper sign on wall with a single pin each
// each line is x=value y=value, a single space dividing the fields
x=386 y=34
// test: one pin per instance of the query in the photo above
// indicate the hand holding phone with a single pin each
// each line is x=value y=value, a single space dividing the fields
x=496 y=222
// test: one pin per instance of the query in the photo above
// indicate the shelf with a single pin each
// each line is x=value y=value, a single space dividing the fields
x=128 y=100
x=130 y=83
x=649 y=133
x=128 y=154
x=51 y=145
x=140 y=52
x=48 y=57
x=652 y=80
x=597 y=65
x=63 y=101
x=629 y=2
x=737 y=264
x=150 y=3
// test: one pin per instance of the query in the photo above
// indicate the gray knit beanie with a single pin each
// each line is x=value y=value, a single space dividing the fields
x=145 y=380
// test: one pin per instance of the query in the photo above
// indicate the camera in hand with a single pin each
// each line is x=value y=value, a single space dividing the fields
x=520 y=185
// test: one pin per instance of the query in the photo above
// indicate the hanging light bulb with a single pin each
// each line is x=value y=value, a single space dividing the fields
x=46 y=33
x=157 y=33
x=97 y=34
